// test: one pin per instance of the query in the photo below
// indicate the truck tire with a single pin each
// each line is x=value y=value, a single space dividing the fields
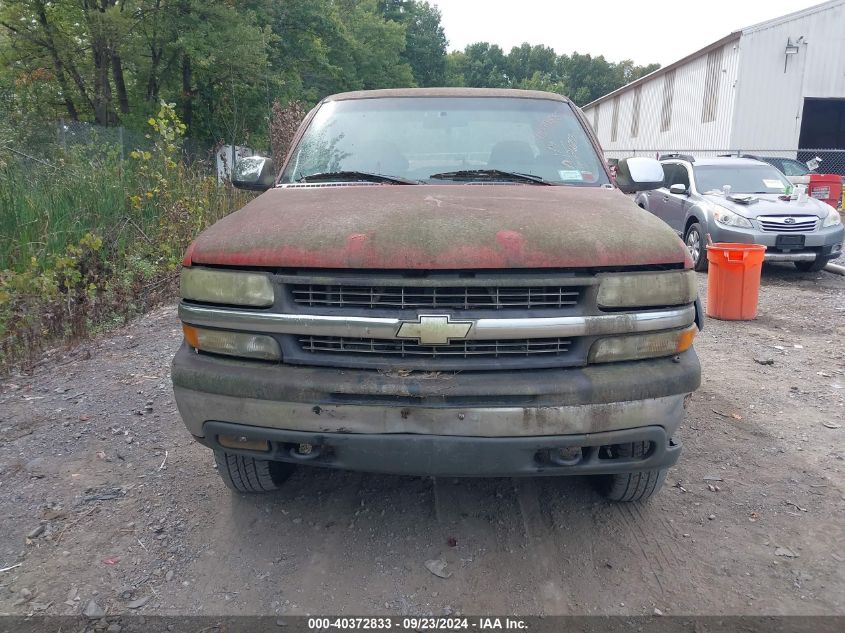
x=694 y=239
x=636 y=486
x=811 y=267
x=250 y=475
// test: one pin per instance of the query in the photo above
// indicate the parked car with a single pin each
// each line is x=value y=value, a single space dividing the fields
x=824 y=187
x=440 y=282
x=743 y=200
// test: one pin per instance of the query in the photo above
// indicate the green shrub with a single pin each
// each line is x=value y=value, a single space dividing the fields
x=92 y=240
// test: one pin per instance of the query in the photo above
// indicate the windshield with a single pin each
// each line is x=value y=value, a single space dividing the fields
x=793 y=167
x=418 y=137
x=741 y=178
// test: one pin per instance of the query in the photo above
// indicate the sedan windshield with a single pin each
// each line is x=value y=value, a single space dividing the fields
x=448 y=140
x=741 y=178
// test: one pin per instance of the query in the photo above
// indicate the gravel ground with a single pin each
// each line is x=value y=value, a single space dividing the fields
x=109 y=505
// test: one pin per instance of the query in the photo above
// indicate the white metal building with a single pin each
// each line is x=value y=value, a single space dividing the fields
x=778 y=85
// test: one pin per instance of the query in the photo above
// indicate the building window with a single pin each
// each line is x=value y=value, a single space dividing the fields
x=635 y=112
x=614 y=121
x=668 y=98
x=711 y=86
x=596 y=119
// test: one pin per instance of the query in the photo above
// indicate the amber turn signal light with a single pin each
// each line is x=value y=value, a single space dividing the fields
x=243 y=443
x=191 y=336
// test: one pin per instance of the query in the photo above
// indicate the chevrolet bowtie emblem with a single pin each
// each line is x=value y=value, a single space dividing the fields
x=434 y=329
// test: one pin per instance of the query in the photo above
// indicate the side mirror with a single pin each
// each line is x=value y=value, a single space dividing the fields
x=639 y=174
x=255 y=173
x=678 y=189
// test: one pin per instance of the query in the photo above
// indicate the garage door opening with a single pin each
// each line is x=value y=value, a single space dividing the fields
x=823 y=127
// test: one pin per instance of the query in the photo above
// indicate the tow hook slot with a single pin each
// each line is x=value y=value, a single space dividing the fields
x=305 y=452
x=565 y=456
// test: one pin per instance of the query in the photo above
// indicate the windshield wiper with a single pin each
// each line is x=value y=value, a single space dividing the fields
x=490 y=175
x=355 y=176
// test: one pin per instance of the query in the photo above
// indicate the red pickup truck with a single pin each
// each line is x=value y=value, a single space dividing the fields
x=440 y=282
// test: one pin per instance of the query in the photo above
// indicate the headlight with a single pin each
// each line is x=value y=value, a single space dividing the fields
x=232 y=343
x=729 y=218
x=226 y=286
x=833 y=218
x=638 y=346
x=647 y=289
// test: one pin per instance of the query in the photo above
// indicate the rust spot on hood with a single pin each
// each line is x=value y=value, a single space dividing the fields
x=439 y=227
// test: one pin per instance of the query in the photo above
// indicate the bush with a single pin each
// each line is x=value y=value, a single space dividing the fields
x=91 y=240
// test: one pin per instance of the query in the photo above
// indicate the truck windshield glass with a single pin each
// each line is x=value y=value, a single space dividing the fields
x=417 y=137
x=745 y=179
x=794 y=168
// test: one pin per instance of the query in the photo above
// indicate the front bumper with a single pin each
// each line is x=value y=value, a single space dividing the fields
x=489 y=404
x=455 y=456
x=825 y=242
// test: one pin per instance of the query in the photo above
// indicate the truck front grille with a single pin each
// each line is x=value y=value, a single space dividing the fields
x=798 y=224
x=457 y=349
x=435 y=297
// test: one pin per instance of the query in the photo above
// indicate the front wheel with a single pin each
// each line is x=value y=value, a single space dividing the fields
x=694 y=239
x=250 y=475
x=636 y=486
x=811 y=267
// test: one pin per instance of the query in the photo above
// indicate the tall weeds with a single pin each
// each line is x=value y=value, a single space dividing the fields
x=90 y=240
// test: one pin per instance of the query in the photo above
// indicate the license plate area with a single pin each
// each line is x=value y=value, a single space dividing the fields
x=789 y=241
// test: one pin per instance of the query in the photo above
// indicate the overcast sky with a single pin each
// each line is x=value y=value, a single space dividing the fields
x=643 y=30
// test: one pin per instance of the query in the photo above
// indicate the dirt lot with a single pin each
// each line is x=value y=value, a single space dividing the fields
x=106 y=499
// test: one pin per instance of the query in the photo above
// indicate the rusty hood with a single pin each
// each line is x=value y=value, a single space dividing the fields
x=439 y=227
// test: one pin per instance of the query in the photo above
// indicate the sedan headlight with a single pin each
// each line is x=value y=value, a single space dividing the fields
x=642 y=290
x=226 y=286
x=240 y=344
x=833 y=218
x=729 y=218
x=639 y=346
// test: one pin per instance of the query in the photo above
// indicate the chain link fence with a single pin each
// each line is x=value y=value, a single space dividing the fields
x=46 y=143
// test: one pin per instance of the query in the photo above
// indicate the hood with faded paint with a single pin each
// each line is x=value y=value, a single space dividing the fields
x=439 y=227
x=770 y=204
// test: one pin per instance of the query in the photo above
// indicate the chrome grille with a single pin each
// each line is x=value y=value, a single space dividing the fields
x=427 y=297
x=459 y=349
x=781 y=224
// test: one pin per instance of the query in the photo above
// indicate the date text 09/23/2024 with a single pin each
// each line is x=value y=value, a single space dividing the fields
x=417 y=623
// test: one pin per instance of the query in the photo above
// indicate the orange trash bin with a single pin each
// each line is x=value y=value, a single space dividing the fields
x=733 y=280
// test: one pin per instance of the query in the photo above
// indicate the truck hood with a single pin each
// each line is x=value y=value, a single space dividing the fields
x=439 y=227
x=770 y=204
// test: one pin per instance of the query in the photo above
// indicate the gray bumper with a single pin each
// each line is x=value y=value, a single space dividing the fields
x=457 y=456
x=825 y=242
x=461 y=424
x=502 y=403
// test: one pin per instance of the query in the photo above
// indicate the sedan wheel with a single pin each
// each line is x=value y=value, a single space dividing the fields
x=695 y=244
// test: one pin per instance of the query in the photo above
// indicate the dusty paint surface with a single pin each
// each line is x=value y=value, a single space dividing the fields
x=439 y=227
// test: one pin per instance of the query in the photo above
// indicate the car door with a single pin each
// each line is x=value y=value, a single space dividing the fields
x=657 y=197
x=674 y=210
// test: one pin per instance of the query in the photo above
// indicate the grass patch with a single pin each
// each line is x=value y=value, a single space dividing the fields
x=91 y=240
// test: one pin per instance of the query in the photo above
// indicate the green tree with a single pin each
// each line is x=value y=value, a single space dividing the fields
x=484 y=66
x=375 y=46
x=526 y=60
x=110 y=61
x=455 y=66
x=425 y=40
